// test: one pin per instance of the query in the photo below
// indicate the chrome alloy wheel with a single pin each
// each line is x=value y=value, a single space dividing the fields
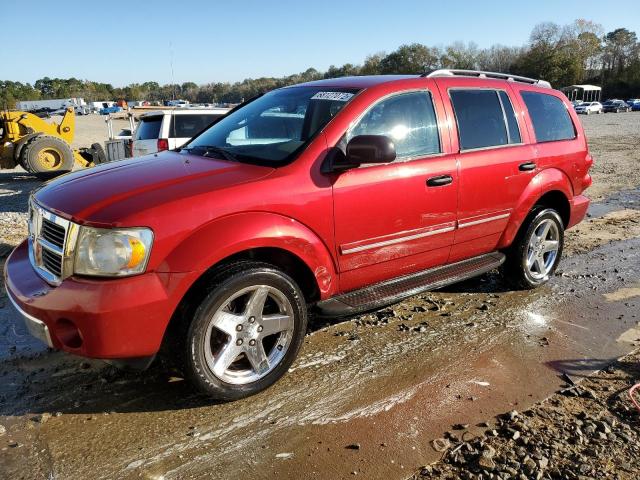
x=249 y=334
x=543 y=249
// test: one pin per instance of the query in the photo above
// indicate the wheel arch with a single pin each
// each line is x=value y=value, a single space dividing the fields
x=261 y=236
x=551 y=188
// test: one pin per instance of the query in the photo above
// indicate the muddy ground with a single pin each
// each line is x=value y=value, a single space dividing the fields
x=369 y=394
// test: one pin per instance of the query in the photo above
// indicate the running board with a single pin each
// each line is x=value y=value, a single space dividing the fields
x=394 y=290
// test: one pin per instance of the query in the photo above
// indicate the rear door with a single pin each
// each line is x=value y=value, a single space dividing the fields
x=496 y=161
x=184 y=126
x=145 y=138
x=559 y=143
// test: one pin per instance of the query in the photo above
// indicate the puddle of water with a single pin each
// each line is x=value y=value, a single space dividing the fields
x=625 y=199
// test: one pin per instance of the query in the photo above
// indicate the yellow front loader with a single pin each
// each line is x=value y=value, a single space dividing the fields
x=40 y=147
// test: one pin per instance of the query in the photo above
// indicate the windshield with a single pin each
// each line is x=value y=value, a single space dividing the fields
x=272 y=129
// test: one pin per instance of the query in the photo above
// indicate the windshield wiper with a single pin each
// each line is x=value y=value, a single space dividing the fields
x=209 y=149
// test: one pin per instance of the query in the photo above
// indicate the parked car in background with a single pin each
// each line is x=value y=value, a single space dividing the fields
x=635 y=107
x=615 y=106
x=97 y=106
x=631 y=101
x=177 y=103
x=342 y=195
x=108 y=110
x=82 y=110
x=169 y=129
x=587 y=108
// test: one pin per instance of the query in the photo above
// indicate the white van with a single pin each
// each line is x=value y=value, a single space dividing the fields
x=169 y=129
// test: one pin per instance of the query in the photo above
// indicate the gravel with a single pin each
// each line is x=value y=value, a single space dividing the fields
x=589 y=430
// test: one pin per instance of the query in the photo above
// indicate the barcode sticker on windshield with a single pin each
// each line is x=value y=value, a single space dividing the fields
x=335 y=96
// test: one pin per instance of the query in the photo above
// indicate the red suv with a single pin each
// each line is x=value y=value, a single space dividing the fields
x=344 y=195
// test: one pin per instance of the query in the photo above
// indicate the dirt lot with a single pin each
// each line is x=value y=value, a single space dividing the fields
x=369 y=395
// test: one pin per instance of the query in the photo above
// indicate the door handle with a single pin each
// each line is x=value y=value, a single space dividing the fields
x=439 y=181
x=527 y=166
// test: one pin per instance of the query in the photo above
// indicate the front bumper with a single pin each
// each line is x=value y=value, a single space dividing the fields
x=98 y=318
x=35 y=327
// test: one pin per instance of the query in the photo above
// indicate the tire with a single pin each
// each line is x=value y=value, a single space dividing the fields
x=47 y=156
x=19 y=145
x=98 y=154
x=224 y=352
x=523 y=268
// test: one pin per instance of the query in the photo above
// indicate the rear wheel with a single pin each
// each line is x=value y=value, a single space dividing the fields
x=246 y=332
x=536 y=251
x=47 y=156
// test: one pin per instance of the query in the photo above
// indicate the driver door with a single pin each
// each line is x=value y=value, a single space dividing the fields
x=396 y=218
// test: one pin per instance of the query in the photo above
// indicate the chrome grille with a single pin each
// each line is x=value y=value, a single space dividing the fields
x=52 y=262
x=49 y=242
x=53 y=233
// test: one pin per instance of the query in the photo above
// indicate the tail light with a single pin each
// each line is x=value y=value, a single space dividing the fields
x=163 y=144
x=586 y=178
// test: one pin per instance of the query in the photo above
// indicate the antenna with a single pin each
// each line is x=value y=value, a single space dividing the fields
x=173 y=85
x=173 y=81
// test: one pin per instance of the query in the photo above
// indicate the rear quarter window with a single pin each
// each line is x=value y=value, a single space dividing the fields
x=549 y=116
x=186 y=126
x=148 y=128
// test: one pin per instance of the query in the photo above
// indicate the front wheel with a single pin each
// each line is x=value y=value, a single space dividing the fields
x=247 y=331
x=536 y=251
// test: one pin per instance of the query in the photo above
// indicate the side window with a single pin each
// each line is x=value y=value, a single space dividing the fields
x=188 y=125
x=480 y=118
x=549 y=116
x=512 y=124
x=409 y=119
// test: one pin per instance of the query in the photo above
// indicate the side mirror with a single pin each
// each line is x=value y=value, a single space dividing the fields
x=370 y=149
x=360 y=149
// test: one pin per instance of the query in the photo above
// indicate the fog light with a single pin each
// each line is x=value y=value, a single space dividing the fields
x=68 y=333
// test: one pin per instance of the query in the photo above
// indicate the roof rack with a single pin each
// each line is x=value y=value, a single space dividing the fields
x=447 y=72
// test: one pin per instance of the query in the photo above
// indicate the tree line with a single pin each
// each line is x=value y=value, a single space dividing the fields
x=580 y=52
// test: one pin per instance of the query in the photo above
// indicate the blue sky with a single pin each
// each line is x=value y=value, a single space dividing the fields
x=229 y=41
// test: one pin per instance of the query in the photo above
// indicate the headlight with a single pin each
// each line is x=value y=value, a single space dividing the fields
x=112 y=252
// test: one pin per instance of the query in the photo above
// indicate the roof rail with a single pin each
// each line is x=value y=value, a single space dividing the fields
x=447 y=72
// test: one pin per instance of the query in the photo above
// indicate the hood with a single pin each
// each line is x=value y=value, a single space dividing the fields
x=140 y=183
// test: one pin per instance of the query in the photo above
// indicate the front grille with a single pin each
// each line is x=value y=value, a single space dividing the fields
x=47 y=241
x=53 y=233
x=52 y=262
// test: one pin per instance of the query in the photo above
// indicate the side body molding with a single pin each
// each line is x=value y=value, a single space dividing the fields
x=235 y=233
x=550 y=179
